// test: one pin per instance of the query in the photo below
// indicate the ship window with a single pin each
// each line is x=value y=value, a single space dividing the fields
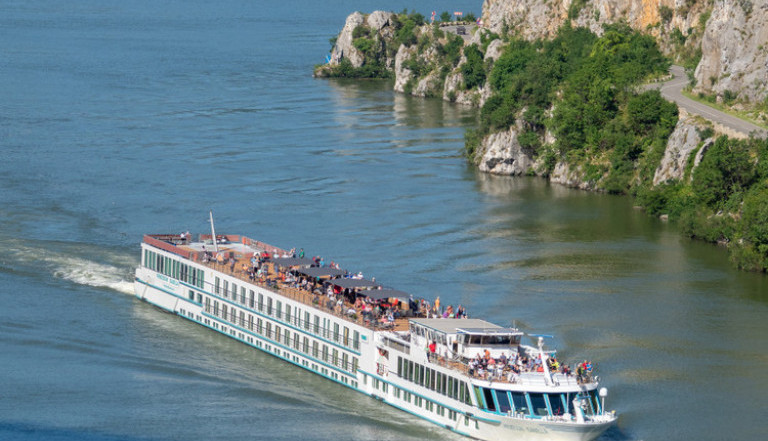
x=279 y=308
x=226 y=289
x=259 y=325
x=191 y=295
x=443 y=387
x=242 y=295
x=269 y=305
x=538 y=404
x=234 y=291
x=325 y=352
x=277 y=333
x=296 y=342
x=217 y=285
x=594 y=401
x=287 y=338
x=250 y=322
x=335 y=332
x=261 y=302
x=518 y=399
x=288 y=313
x=346 y=336
x=479 y=397
x=336 y=357
x=428 y=378
x=450 y=387
x=356 y=340
x=314 y=349
x=503 y=399
x=215 y=308
x=556 y=404
x=250 y=298
x=488 y=395
x=224 y=311
x=268 y=330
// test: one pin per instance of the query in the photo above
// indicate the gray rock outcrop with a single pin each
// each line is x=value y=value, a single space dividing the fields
x=503 y=155
x=734 y=50
x=344 y=47
x=683 y=140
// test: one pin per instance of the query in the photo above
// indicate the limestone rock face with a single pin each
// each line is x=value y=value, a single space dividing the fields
x=684 y=140
x=735 y=50
x=564 y=175
x=503 y=155
x=378 y=20
x=402 y=74
x=344 y=47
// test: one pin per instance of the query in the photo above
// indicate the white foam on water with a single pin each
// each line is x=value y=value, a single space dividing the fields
x=114 y=273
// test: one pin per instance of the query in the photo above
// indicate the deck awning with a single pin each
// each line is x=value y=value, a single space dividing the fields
x=292 y=261
x=321 y=272
x=353 y=283
x=380 y=294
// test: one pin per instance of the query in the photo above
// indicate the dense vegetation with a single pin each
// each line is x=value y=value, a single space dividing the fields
x=582 y=89
x=723 y=200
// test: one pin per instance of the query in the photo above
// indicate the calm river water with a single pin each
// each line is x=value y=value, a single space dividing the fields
x=124 y=118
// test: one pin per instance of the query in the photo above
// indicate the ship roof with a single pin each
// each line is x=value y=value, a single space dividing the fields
x=452 y=326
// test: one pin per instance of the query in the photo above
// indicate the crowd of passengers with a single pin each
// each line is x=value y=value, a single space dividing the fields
x=509 y=368
x=349 y=302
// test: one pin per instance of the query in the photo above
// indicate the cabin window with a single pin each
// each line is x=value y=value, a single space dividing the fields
x=250 y=298
x=242 y=295
x=279 y=309
x=191 y=295
x=296 y=340
x=538 y=404
x=336 y=357
x=288 y=313
x=277 y=333
x=336 y=332
x=325 y=352
x=216 y=308
x=346 y=336
x=556 y=404
x=489 y=402
x=217 y=286
x=287 y=338
x=259 y=325
x=450 y=387
x=250 y=322
x=224 y=311
x=356 y=340
x=268 y=329
x=503 y=400
x=269 y=305
x=234 y=291
x=315 y=349
x=519 y=401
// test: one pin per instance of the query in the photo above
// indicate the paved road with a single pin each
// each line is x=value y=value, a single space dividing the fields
x=468 y=28
x=672 y=90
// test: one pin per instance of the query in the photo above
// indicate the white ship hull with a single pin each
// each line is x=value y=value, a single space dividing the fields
x=348 y=353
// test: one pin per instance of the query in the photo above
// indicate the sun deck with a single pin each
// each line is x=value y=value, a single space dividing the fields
x=239 y=250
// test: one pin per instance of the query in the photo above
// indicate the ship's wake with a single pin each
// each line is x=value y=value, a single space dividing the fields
x=74 y=262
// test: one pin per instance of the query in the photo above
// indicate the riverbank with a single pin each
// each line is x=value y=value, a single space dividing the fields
x=570 y=109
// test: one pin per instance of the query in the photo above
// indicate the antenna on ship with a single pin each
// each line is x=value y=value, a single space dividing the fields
x=213 y=234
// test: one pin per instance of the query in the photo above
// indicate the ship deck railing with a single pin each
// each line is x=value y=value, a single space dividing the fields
x=506 y=375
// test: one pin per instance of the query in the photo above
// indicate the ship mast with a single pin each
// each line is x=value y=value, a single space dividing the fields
x=213 y=234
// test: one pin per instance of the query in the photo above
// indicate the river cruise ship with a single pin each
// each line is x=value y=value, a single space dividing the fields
x=467 y=375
